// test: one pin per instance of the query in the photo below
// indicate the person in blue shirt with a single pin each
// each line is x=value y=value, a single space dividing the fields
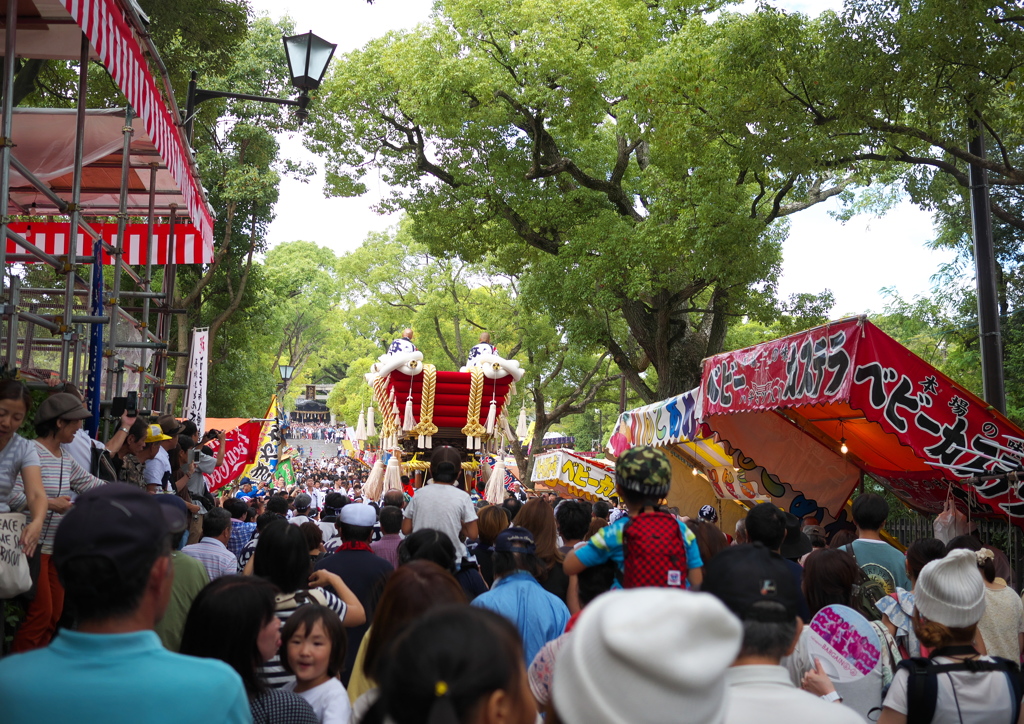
x=643 y=476
x=539 y=615
x=112 y=554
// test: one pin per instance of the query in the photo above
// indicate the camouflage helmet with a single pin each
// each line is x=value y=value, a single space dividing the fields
x=644 y=469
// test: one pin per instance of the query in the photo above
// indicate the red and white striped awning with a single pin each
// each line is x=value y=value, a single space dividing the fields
x=52 y=237
x=44 y=32
x=104 y=24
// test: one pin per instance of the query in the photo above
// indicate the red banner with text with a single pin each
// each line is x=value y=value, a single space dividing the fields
x=810 y=368
x=242 y=442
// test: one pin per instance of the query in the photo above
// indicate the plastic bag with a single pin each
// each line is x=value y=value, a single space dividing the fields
x=950 y=523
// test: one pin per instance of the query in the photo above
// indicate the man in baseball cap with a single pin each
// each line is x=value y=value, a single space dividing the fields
x=158 y=467
x=759 y=588
x=643 y=476
x=517 y=594
x=112 y=553
x=363 y=570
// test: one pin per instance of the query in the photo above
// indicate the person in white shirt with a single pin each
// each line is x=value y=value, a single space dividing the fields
x=483 y=347
x=762 y=592
x=442 y=505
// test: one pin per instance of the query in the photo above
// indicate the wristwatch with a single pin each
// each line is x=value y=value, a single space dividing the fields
x=832 y=696
x=124 y=430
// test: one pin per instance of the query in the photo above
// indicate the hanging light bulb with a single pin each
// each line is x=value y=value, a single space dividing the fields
x=842 y=448
x=695 y=471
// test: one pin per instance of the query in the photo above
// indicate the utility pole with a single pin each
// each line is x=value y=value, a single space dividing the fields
x=991 y=342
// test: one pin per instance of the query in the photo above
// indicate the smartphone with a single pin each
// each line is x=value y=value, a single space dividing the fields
x=117 y=406
x=132 y=404
x=192 y=455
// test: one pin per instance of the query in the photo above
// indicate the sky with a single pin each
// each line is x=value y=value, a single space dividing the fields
x=855 y=260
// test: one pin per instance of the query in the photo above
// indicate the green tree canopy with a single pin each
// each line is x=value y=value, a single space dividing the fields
x=521 y=132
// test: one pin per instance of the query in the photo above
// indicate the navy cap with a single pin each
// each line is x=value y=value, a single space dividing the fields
x=118 y=522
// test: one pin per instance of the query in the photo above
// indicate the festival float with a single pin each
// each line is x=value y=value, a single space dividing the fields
x=421 y=408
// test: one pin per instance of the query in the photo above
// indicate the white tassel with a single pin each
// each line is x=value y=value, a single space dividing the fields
x=491 y=414
x=494 y=491
x=373 y=488
x=511 y=390
x=409 y=422
x=361 y=427
x=393 y=474
x=421 y=441
x=522 y=428
x=371 y=429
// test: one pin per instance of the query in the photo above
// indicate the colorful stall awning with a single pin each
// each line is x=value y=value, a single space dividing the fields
x=796 y=401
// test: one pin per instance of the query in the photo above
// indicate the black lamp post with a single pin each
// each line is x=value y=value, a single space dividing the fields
x=286 y=372
x=308 y=57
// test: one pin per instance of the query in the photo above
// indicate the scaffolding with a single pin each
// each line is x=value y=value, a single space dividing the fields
x=87 y=173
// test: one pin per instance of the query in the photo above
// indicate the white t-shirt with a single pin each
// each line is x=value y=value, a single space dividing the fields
x=158 y=471
x=980 y=698
x=80 y=448
x=329 y=701
x=442 y=507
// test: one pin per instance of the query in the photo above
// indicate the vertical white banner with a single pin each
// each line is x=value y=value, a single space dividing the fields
x=195 y=391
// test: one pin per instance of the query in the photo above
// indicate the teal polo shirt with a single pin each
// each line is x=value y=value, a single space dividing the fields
x=118 y=679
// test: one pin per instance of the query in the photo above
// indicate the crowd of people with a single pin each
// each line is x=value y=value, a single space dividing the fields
x=315 y=431
x=314 y=604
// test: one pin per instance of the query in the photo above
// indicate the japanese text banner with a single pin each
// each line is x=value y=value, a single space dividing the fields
x=576 y=475
x=809 y=368
x=241 y=451
x=946 y=426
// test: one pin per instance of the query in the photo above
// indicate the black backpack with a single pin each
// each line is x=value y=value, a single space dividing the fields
x=923 y=684
x=866 y=591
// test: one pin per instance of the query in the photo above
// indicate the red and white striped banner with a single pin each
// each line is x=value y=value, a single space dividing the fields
x=52 y=237
x=104 y=24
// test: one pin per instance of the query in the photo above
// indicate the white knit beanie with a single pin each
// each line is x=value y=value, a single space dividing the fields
x=951 y=590
x=647 y=656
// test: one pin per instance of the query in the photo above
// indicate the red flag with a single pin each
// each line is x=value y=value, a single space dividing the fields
x=242 y=443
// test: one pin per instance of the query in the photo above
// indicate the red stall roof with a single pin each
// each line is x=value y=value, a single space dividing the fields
x=904 y=422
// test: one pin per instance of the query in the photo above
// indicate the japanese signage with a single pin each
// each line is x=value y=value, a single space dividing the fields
x=195 y=390
x=944 y=424
x=662 y=423
x=884 y=400
x=580 y=476
x=241 y=451
x=803 y=369
x=262 y=470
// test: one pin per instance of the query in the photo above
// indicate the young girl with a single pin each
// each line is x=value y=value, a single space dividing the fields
x=898 y=608
x=313 y=649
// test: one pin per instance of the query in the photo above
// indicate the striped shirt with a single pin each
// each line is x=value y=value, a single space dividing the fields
x=61 y=476
x=214 y=556
x=273 y=673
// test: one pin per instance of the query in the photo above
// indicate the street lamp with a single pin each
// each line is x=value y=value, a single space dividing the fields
x=286 y=372
x=308 y=57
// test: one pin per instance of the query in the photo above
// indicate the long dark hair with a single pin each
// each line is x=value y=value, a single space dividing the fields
x=224 y=623
x=829 y=577
x=411 y=590
x=445 y=663
x=282 y=557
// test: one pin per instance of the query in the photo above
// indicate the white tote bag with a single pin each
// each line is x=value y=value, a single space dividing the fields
x=15 y=577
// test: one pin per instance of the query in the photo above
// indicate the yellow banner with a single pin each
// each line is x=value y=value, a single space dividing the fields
x=579 y=473
x=262 y=470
